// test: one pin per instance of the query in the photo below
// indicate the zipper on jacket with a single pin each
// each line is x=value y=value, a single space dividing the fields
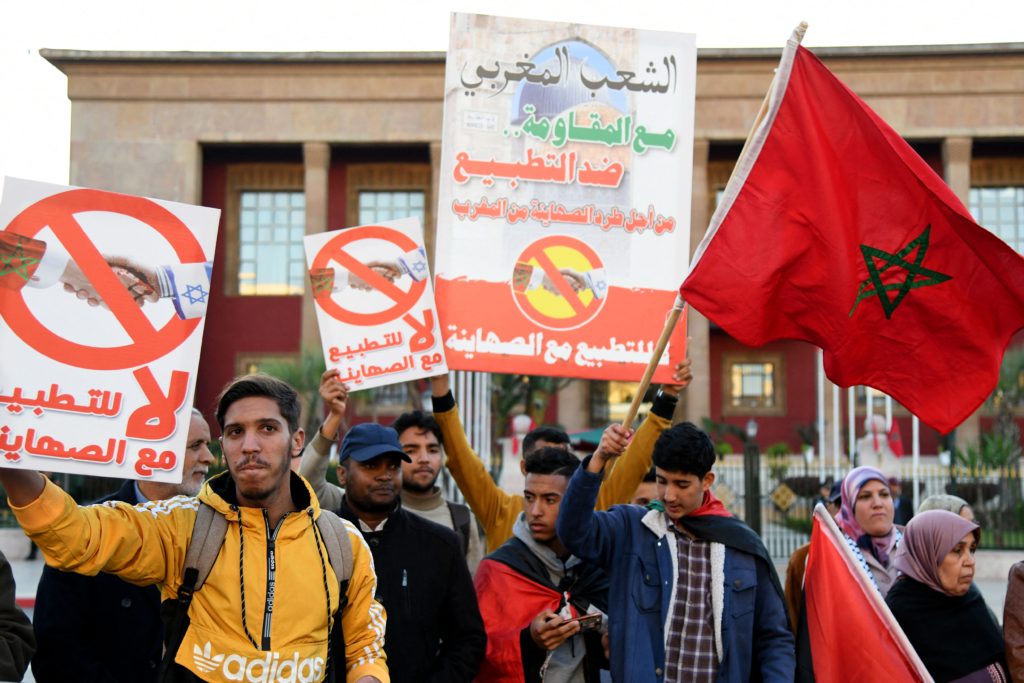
x=268 y=609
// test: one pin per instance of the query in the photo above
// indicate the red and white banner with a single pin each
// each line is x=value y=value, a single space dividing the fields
x=853 y=634
x=564 y=200
x=102 y=298
x=374 y=303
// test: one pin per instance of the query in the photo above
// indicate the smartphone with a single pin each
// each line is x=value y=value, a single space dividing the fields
x=589 y=622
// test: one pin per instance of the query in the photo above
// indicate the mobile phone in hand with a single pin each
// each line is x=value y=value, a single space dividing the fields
x=589 y=622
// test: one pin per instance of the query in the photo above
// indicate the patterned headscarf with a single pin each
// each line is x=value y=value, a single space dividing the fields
x=854 y=481
x=927 y=540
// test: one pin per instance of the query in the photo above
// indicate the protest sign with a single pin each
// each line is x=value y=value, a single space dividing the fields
x=102 y=298
x=564 y=197
x=374 y=303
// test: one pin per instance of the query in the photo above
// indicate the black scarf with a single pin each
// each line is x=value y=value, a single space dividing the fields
x=735 y=534
x=953 y=636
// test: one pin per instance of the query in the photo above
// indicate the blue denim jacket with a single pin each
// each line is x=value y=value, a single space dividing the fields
x=634 y=547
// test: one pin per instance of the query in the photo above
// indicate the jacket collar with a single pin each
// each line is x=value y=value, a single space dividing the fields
x=655 y=521
x=219 y=493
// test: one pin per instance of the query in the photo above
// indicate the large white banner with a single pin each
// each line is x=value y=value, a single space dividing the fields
x=102 y=298
x=564 y=200
x=374 y=303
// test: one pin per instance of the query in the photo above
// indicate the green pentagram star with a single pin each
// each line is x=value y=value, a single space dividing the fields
x=917 y=276
x=16 y=262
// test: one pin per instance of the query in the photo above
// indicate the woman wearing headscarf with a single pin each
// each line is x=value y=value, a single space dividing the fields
x=938 y=606
x=944 y=501
x=866 y=520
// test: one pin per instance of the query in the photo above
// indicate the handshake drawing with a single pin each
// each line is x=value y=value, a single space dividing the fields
x=142 y=282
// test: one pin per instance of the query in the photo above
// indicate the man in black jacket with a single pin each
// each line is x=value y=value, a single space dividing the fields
x=101 y=628
x=434 y=630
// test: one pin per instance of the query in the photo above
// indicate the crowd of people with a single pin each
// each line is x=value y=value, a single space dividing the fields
x=622 y=566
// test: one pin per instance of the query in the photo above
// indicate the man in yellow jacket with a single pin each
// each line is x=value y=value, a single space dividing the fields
x=266 y=609
x=497 y=510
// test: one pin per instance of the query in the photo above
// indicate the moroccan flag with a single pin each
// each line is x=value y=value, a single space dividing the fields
x=834 y=231
x=853 y=635
x=896 y=440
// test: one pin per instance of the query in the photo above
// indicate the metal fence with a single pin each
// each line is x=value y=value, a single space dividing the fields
x=789 y=489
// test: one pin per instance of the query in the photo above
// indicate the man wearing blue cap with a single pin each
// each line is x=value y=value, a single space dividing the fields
x=434 y=630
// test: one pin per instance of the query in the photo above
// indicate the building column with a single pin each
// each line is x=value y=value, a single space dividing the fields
x=956 y=168
x=695 y=401
x=433 y=211
x=316 y=163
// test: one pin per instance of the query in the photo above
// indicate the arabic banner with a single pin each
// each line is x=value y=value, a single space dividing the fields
x=564 y=201
x=375 y=304
x=102 y=298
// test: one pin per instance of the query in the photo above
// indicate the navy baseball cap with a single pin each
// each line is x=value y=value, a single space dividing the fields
x=368 y=440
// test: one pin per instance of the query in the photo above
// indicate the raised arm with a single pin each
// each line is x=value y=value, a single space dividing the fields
x=495 y=508
x=625 y=473
x=587 y=534
x=316 y=457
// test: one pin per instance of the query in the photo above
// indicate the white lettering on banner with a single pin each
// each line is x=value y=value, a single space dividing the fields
x=533 y=345
x=269 y=668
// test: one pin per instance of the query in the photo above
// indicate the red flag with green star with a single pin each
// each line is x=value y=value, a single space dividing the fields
x=834 y=231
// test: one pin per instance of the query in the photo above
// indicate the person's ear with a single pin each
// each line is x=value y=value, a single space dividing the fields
x=342 y=475
x=708 y=481
x=298 y=440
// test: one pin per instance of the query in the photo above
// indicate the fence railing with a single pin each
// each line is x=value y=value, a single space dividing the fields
x=789 y=489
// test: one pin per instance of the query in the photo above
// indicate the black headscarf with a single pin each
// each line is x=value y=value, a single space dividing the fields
x=953 y=635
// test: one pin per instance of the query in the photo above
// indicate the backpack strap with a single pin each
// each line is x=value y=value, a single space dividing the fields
x=339 y=545
x=208 y=531
x=339 y=554
x=207 y=537
x=460 y=521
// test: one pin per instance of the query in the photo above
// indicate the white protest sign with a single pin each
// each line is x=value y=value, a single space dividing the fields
x=564 y=196
x=102 y=298
x=375 y=303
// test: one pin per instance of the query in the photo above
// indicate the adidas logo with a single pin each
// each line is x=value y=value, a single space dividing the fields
x=269 y=668
x=205 y=660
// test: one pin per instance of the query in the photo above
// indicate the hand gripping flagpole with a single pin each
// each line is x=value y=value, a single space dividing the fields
x=677 y=307
x=652 y=365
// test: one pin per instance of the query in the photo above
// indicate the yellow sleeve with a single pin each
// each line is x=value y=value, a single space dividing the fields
x=494 y=508
x=628 y=471
x=363 y=618
x=143 y=545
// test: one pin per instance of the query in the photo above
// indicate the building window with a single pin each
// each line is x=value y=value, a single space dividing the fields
x=377 y=206
x=271 y=257
x=1001 y=211
x=753 y=385
x=265 y=218
x=379 y=192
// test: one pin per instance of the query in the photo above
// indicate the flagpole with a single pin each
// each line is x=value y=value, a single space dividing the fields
x=915 y=439
x=837 y=418
x=652 y=364
x=851 y=410
x=822 y=437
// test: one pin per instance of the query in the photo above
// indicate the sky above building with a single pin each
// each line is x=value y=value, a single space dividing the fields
x=35 y=118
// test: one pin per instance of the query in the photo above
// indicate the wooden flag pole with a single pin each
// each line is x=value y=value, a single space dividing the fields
x=652 y=365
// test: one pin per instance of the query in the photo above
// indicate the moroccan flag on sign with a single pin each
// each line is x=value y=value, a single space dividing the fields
x=842 y=602
x=834 y=231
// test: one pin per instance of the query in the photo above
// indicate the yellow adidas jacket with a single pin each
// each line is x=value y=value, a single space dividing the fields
x=497 y=510
x=146 y=545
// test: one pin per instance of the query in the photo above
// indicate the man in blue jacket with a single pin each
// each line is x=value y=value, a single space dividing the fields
x=693 y=593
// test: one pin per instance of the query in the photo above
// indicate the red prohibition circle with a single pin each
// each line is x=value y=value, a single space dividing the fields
x=538 y=251
x=334 y=250
x=148 y=343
